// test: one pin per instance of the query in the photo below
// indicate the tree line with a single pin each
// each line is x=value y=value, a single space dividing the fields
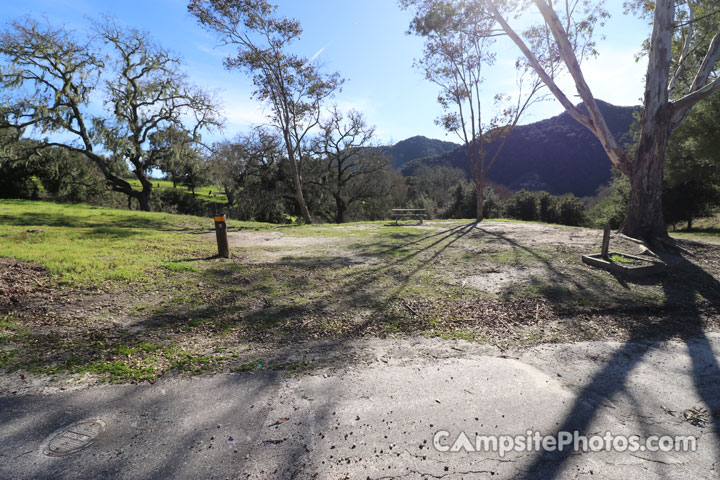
x=313 y=160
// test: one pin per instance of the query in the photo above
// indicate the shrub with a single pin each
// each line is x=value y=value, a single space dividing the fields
x=572 y=211
x=177 y=201
x=548 y=208
x=611 y=204
x=523 y=206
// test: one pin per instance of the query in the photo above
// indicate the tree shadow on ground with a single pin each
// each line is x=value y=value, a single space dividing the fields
x=688 y=285
x=243 y=300
x=119 y=220
x=254 y=308
x=188 y=437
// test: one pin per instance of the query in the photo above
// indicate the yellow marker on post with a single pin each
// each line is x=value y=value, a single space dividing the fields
x=221 y=235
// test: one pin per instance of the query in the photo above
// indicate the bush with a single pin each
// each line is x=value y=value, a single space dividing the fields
x=541 y=206
x=424 y=201
x=523 y=206
x=493 y=206
x=611 y=204
x=572 y=211
x=177 y=201
x=548 y=208
x=464 y=202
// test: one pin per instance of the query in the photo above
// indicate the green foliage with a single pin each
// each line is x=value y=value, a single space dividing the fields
x=464 y=204
x=571 y=211
x=433 y=187
x=172 y=200
x=29 y=171
x=294 y=87
x=541 y=206
x=53 y=73
x=523 y=206
x=692 y=170
x=255 y=176
x=611 y=203
x=548 y=208
x=346 y=168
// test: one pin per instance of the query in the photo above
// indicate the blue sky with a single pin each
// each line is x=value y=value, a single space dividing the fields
x=365 y=41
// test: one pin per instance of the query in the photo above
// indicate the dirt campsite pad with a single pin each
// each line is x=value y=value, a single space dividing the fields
x=506 y=284
x=340 y=351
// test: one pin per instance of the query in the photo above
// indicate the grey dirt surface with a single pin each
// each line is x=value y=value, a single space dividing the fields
x=377 y=416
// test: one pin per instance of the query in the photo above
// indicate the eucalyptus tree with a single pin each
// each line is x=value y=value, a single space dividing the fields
x=52 y=78
x=459 y=42
x=682 y=49
x=292 y=86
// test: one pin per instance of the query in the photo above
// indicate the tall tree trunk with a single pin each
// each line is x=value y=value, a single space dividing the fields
x=144 y=195
x=644 y=218
x=340 y=209
x=144 y=199
x=479 y=186
x=297 y=180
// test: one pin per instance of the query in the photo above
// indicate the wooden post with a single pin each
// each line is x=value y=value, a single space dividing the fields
x=221 y=235
x=605 y=242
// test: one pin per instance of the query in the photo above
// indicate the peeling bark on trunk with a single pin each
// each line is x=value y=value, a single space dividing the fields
x=644 y=218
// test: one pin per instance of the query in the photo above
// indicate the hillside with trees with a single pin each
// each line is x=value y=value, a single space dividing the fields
x=417 y=147
x=556 y=154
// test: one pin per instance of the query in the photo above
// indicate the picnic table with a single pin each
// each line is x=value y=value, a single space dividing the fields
x=408 y=213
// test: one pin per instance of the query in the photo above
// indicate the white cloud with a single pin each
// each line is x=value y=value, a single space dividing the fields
x=613 y=77
x=241 y=114
x=211 y=51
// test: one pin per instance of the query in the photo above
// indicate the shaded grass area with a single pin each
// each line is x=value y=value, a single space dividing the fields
x=703 y=229
x=210 y=193
x=200 y=314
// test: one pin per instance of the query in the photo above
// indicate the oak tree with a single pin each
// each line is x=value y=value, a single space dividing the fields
x=51 y=76
x=347 y=162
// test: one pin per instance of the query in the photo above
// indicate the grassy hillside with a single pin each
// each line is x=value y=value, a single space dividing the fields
x=87 y=246
x=210 y=193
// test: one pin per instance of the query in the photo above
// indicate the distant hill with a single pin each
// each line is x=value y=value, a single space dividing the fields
x=556 y=154
x=417 y=147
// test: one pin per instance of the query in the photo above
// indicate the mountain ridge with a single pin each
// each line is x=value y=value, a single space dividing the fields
x=555 y=154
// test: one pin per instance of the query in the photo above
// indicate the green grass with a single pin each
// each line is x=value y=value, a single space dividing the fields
x=703 y=228
x=616 y=258
x=87 y=246
x=202 y=192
